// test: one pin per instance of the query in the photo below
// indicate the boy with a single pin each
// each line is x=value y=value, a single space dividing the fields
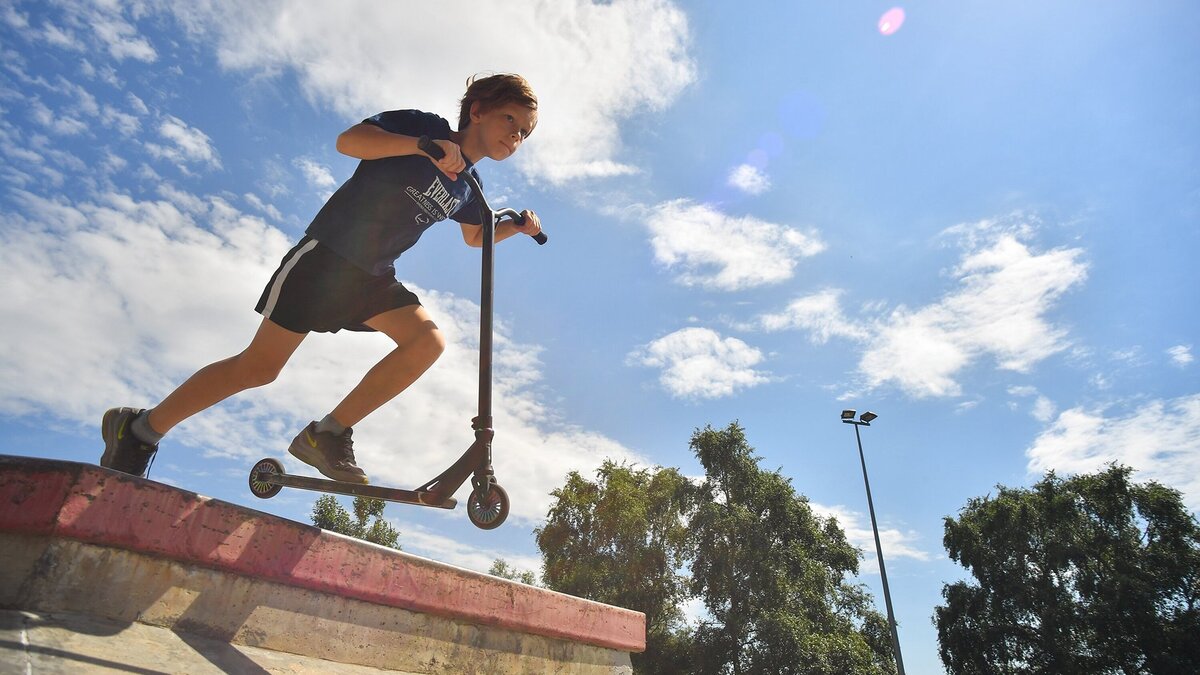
x=341 y=274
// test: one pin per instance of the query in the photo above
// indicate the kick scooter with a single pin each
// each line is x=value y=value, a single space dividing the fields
x=487 y=505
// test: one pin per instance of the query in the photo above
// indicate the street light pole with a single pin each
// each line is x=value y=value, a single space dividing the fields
x=865 y=421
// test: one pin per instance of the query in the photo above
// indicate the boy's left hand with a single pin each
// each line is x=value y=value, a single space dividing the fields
x=532 y=224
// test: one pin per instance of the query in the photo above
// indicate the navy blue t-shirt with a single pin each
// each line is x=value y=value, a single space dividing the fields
x=388 y=203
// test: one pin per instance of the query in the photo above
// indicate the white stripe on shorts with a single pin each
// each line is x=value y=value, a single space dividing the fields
x=273 y=296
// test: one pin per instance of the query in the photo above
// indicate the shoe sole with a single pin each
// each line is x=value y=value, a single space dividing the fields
x=313 y=457
x=108 y=431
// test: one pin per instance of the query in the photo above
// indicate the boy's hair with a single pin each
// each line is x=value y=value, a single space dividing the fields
x=494 y=91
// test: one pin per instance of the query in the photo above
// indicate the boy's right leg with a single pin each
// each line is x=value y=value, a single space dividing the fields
x=255 y=366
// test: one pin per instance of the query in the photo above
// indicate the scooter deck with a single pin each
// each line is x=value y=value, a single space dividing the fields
x=356 y=489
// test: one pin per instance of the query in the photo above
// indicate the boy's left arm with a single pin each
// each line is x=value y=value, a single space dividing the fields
x=473 y=234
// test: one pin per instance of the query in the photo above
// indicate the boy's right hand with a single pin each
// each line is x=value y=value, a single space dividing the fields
x=452 y=162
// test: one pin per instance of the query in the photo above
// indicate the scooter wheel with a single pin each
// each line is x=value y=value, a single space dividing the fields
x=261 y=488
x=490 y=510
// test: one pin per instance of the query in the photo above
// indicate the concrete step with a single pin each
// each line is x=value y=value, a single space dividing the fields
x=49 y=644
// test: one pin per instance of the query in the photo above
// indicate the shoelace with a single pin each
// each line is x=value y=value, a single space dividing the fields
x=153 y=454
x=347 y=447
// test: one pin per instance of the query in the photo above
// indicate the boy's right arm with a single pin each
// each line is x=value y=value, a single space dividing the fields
x=367 y=141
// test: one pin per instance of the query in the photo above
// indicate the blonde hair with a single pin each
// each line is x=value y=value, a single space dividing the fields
x=493 y=91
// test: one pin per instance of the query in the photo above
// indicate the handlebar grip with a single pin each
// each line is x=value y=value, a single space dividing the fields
x=540 y=237
x=426 y=145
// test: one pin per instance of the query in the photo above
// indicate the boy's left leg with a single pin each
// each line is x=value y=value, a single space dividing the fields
x=326 y=445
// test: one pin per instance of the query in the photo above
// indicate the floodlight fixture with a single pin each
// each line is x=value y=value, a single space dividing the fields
x=867 y=417
x=848 y=414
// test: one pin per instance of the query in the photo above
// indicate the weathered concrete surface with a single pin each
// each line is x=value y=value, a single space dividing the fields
x=70 y=644
x=76 y=538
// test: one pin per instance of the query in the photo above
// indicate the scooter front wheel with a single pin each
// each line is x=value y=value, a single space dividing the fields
x=488 y=511
x=260 y=488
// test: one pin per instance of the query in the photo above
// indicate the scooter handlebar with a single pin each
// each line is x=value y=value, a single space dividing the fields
x=426 y=145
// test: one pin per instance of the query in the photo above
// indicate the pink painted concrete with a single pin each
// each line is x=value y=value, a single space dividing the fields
x=95 y=505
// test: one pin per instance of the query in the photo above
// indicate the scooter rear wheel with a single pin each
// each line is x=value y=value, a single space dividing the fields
x=260 y=488
x=488 y=511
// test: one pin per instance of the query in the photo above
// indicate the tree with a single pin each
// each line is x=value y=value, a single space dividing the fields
x=328 y=514
x=1090 y=574
x=501 y=568
x=772 y=574
x=622 y=540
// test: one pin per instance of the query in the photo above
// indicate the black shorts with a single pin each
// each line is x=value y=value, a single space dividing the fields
x=315 y=289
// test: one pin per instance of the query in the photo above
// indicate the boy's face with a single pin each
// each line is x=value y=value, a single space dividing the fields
x=502 y=129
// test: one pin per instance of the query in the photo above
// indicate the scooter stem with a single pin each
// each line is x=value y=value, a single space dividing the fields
x=486 y=299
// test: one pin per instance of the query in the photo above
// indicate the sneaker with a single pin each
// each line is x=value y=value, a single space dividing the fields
x=123 y=451
x=329 y=453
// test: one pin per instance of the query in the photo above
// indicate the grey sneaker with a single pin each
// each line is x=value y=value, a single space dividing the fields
x=122 y=450
x=330 y=454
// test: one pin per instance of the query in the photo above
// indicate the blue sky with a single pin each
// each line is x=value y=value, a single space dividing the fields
x=982 y=227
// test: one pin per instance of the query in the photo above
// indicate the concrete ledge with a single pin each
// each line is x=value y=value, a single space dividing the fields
x=77 y=534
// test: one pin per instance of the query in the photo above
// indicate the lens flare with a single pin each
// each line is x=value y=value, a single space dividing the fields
x=891 y=21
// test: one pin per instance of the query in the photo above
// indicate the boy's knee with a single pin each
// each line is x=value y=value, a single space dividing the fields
x=428 y=344
x=265 y=377
x=261 y=376
x=435 y=343
x=257 y=373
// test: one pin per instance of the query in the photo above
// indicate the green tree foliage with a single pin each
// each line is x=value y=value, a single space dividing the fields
x=501 y=568
x=328 y=514
x=622 y=540
x=1086 y=575
x=772 y=574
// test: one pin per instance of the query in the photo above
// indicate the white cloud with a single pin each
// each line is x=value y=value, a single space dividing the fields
x=139 y=106
x=820 y=314
x=1160 y=439
x=749 y=179
x=122 y=39
x=591 y=64
x=317 y=175
x=55 y=122
x=718 y=251
x=896 y=543
x=1131 y=357
x=146 y=292
x=698 y=363
x=187 y=145
x=99 y=24
x=998 y=313
x=964 y=406
x=125 y=124
x=1043 y=408
x=63 y=39
x=1181 y=355
x=13 y=18
x=259 y=205
x=1006 y=289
